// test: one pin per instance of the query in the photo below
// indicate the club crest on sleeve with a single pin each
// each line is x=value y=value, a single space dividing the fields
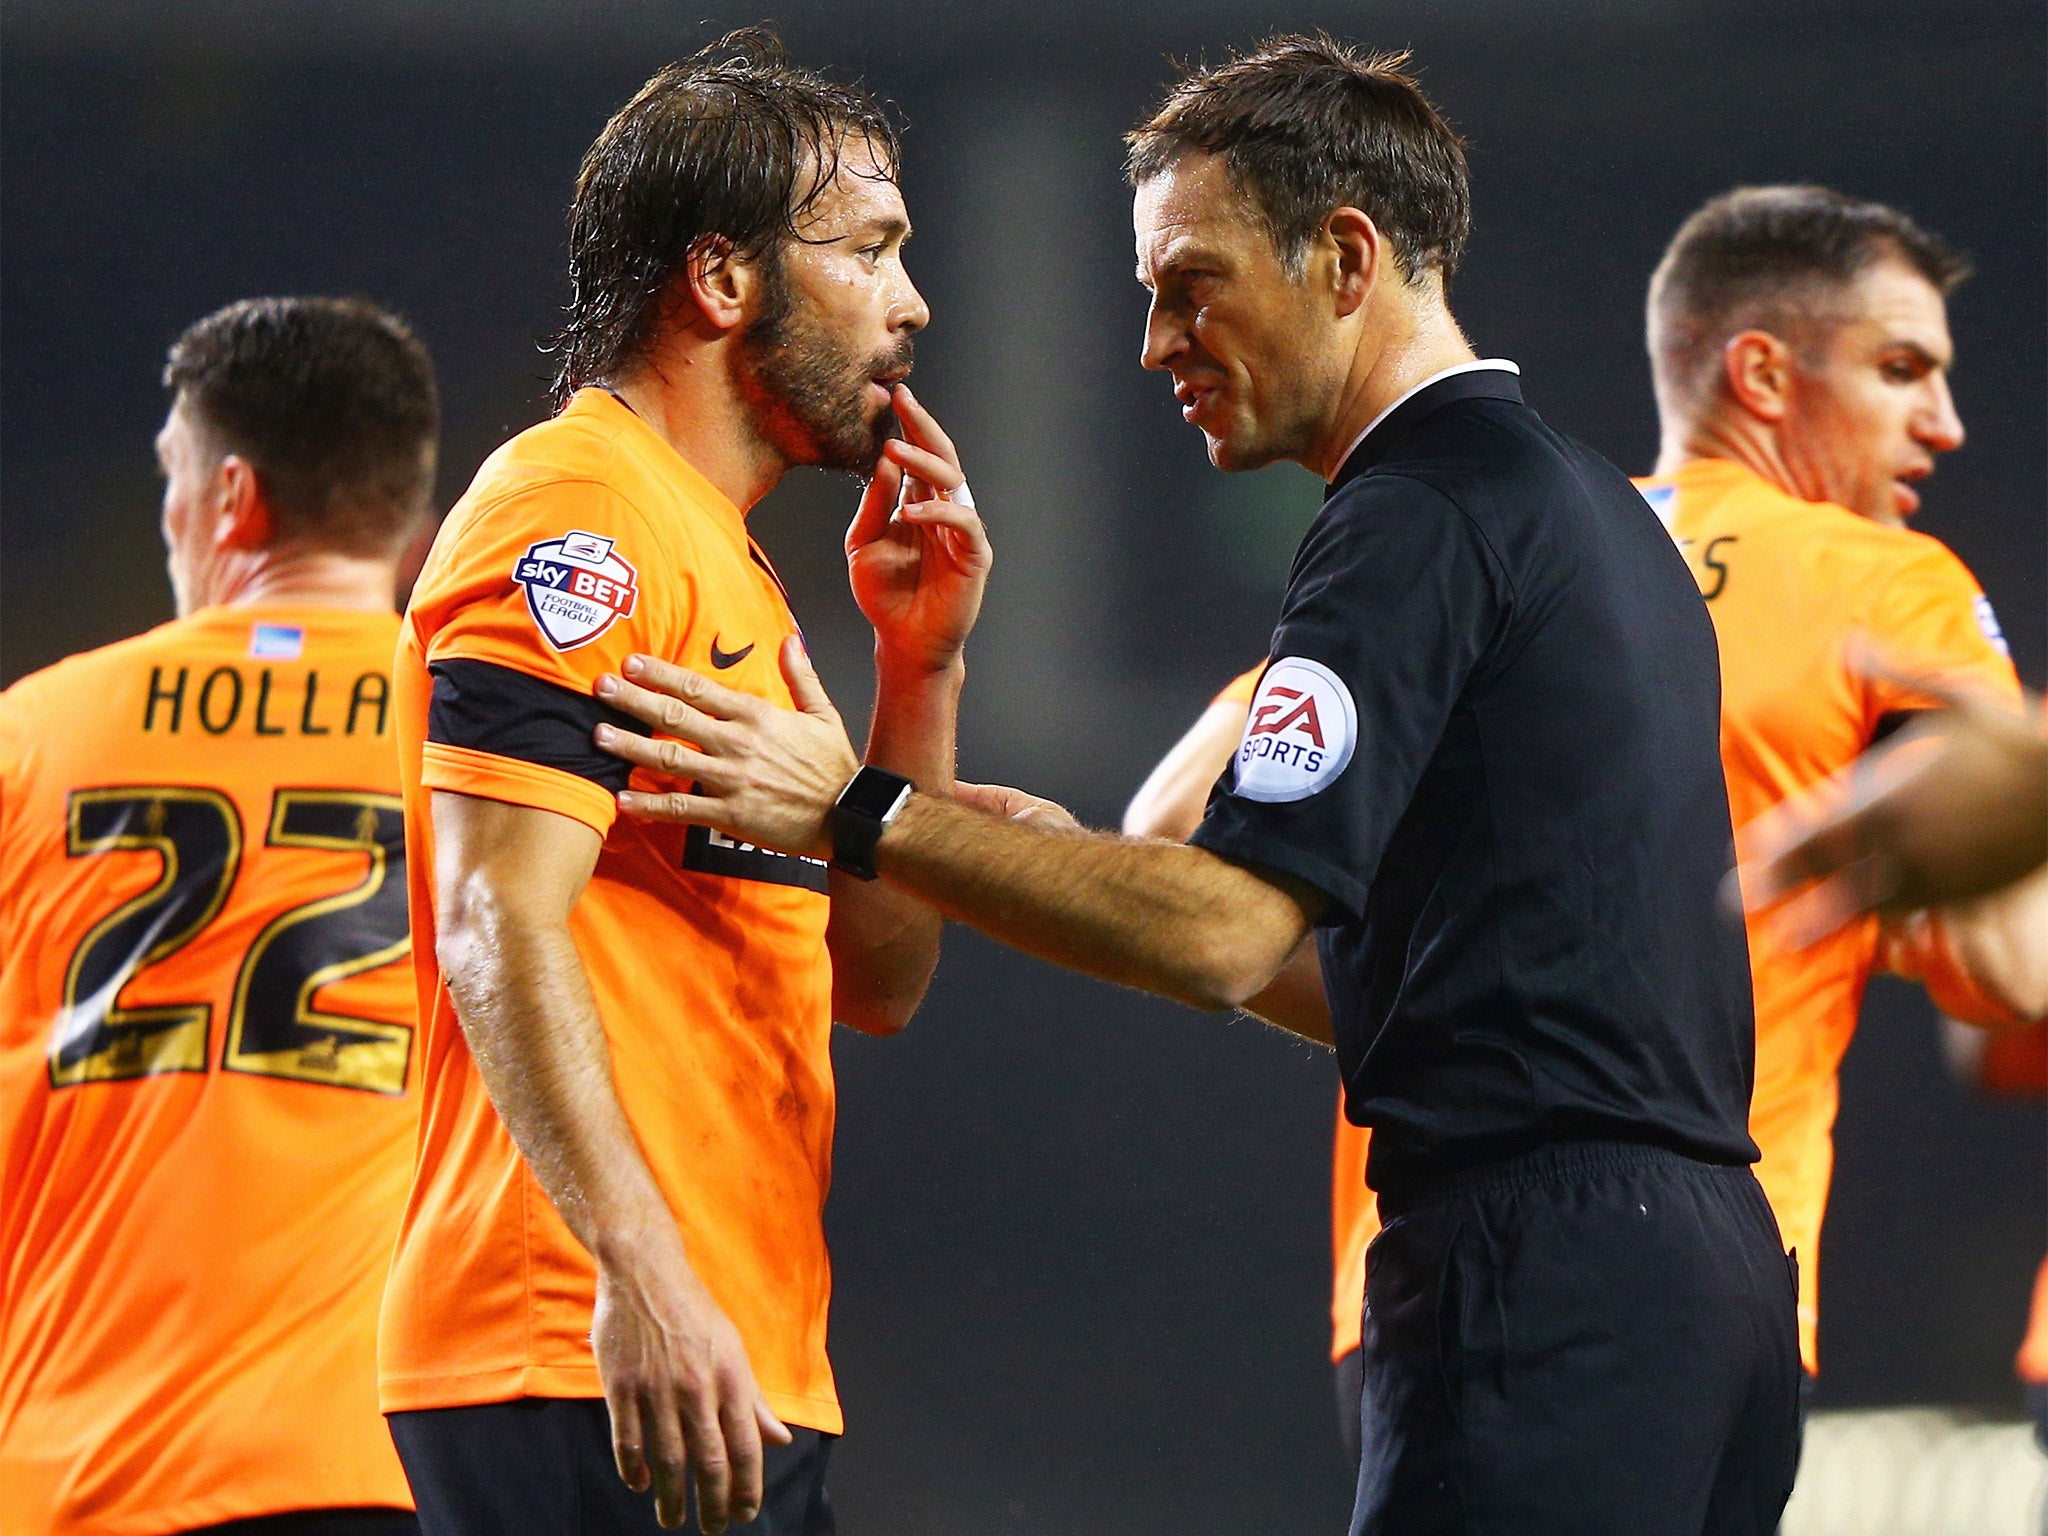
x=576 y=586
x=1987 y=621
x=1300 y=733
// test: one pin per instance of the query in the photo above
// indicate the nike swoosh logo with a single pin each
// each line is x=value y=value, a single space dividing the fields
x=723 y=659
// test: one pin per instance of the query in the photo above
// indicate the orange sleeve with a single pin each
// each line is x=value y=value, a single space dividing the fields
x=1930 y=616
x=1920 y=949
x=544 y=585
x=1241 y=688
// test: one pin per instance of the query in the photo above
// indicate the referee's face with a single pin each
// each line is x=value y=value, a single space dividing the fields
x=1253 y=352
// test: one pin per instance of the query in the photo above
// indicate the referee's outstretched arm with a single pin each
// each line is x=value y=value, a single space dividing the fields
x=1162 y=917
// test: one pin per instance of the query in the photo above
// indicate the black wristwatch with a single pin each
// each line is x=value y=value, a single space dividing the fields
x=872 y=799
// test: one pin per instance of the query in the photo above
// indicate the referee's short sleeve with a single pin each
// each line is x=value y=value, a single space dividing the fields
x=1394 y=602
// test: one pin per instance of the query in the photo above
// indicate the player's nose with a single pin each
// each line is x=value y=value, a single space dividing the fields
x=1938 y=427
x=909 y=313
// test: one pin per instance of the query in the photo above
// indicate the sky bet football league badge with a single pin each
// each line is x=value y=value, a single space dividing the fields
x=575 y=587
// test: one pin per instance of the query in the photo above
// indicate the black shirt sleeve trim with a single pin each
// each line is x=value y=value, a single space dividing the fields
x=1224 y=833
x=488 y=708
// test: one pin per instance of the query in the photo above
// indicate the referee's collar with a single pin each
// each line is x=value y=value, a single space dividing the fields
x=1490 y=378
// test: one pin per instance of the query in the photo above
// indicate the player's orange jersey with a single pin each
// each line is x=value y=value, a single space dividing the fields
x=2015 y=1061
x=582 y=540
x=1790 y=585
x=1354 y=1223
x=206 y=1051
x=1354 y=1208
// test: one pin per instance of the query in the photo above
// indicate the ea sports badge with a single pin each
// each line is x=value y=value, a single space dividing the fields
x=576 y=586
x=1299 y=734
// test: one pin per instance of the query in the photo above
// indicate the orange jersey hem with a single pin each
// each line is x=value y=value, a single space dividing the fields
x=407 y=1394
x=202 y=1514
x=466 y=771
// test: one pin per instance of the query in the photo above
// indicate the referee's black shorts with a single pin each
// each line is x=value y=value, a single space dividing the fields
x=542 y=1466
x=1595 y=1339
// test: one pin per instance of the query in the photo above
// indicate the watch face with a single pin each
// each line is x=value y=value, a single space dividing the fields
x=873 y=793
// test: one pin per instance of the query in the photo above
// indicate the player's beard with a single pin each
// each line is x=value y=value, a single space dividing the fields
x=808 y=391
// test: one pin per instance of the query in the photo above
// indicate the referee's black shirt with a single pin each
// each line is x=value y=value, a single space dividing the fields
x=1490 y=735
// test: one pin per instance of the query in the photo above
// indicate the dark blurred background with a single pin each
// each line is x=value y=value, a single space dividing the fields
x=1081 y=1235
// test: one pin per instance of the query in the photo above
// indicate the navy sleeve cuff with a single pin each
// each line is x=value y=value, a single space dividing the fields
x=488 y=708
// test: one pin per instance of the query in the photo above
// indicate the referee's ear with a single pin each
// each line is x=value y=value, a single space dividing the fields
x=1353 y=251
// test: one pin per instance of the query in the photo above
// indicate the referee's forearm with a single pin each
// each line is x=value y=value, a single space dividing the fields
x=1160 y=917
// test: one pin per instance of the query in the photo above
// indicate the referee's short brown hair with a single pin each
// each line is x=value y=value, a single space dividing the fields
x=1307 y=125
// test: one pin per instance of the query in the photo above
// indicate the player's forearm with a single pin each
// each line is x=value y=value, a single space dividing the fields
x=1161 y=917
x=533 y=1030
x=884 y=943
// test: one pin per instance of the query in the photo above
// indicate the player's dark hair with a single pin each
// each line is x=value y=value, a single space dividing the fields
x=727 y=149
x=1307 y=125
x=332 y=402
x=1771 y=258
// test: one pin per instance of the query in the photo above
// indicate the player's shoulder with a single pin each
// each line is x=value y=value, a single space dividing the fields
x=72 y=680
x=593 y=468
x=1736 y=498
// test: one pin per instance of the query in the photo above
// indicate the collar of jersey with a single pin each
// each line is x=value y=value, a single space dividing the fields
x=601 y=402
x=1494 y=378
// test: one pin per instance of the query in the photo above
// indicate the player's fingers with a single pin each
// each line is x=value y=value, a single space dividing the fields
x=743 y=1448
x=669 y=1459
x=693 y=688
x=710 y=1463
x=805 y=690
x=921 y=427
x=773 y=1430
x=628 y=1449
x=877 y=503
x=962 y=521
x=924 y=464
x=684 y=810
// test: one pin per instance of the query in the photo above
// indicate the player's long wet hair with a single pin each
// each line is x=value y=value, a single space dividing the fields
x=728 y=148
x=1307 y=125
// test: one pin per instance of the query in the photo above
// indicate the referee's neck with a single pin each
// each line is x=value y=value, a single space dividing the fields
x=1410 y=342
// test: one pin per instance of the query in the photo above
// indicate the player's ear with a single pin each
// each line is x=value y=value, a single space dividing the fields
x=1354 y=240
x=719 y=282
x=242 y=517
x=1757 y=368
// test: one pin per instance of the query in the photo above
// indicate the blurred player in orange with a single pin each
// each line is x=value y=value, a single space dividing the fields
x=1170 y=804
x=611 y=1278
x=1800 y=347
x=206 y=1022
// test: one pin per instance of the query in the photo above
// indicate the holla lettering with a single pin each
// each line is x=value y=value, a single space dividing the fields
x=263 y=701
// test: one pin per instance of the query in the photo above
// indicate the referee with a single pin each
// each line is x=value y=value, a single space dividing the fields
x=1482 y=767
